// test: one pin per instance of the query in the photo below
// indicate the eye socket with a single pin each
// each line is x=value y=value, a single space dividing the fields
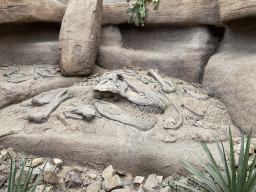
x=120 y=77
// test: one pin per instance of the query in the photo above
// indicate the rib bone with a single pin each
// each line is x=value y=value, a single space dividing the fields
x=167 y=87
x=42 y=117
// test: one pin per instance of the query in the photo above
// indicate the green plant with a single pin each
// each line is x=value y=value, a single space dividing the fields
x=17 y=188
x=235 y=180
x=12 y=187
x=139 y=8
x=10 y=133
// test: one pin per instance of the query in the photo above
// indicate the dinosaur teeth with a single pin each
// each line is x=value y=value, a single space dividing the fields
x=147 y=109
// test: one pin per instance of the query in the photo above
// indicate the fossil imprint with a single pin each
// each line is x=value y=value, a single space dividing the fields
x=113 y=112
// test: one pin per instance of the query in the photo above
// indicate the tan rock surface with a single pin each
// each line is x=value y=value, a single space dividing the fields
x=105 y=142
x=30 y=11
x=80 y=37
x=175 y=12
x=230 y=76
x=231 y=11
x=177 y=52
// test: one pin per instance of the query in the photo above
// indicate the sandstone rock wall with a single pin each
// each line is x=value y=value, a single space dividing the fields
x=30 y=11
x=175 y=12
x=177 y=52
x=231 y=73
x=28 y=44
x=236 y=10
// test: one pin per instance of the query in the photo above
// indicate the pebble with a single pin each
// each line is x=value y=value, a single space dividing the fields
x=78 y=169
x=138 y=181
x=92 y=174
x=112 y=182
x=160 y=179
x=166 y=189
x=35 y=162
x=94 y=187
x=152 y=182
x=165 y=181
x=108 y=172
x=50 y=176
x=74 y=178
x=4 y=152
x=57 y=162
x=35 y=173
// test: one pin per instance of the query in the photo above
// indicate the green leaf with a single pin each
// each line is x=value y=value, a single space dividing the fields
x=10 y=178
x=242 y=173
x=137 y=21
x=131 y=18
x=33 y=189
x=217 y=174
x=21 y=173
x=186 y=186
x=156 y=5
x=13 y=132
x=128 y=10
x=128 y=1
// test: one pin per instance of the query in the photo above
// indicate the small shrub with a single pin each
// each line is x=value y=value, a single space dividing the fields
x=139 y=8
x=235 y=180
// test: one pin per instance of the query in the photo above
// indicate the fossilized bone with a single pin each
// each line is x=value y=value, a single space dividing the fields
x=45 y=98
x=22 y=78
x=180 y=120
x=193 y=112
x=114 y=84
x=42 y=116
x=44 y=74
x=87 y=112
x=197 y=95
x=167 y=86
x=113 y=112
x=143 y=79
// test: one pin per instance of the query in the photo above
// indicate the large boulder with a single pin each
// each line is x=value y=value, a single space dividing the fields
x=80 y=37
x=231 y=74
x=233 y=11
x=175 y=12
x=30 y=11
x=177 y=52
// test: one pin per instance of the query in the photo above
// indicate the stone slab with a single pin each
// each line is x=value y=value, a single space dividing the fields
x=31 y=11
x=231 y=12
x=175 y=12
x=80 y=37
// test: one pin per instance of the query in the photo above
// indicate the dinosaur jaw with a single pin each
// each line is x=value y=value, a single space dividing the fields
x=115 y=84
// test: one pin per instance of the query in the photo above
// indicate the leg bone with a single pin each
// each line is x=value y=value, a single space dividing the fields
x=166 y=87
x=42 y=117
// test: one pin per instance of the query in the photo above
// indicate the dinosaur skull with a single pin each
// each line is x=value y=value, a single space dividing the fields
x=115 y=84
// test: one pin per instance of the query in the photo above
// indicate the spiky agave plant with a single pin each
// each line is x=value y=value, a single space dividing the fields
x=238 y=180
x=18 y=188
